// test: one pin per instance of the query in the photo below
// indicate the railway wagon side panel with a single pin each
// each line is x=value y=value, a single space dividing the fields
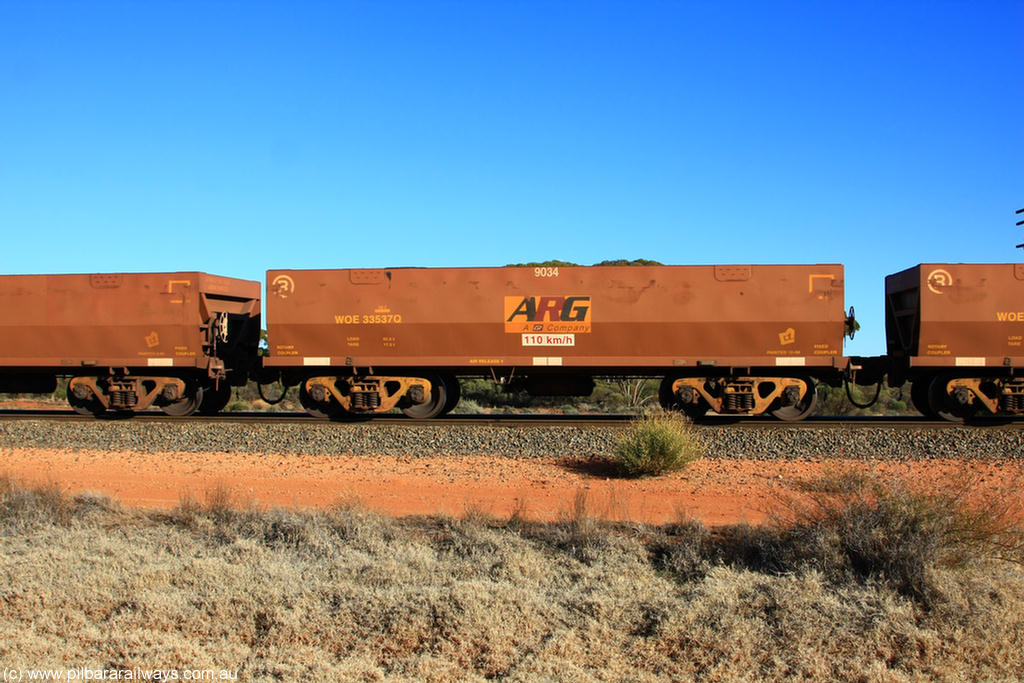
x=598 y=316
x=954 y=314
x=118 y=320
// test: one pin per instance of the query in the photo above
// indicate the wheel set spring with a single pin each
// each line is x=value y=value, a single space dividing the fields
x=1012 y=403
x=365 y=400
x=738 y=402
x=123 y=398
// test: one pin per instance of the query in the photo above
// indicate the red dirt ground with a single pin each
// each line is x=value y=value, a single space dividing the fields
x=715 y=491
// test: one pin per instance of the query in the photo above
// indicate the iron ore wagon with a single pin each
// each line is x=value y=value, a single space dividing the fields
x=739 y=339
x=129 y=341
x=956 y=330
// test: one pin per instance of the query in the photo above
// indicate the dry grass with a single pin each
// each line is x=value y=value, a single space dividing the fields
x=349 y=595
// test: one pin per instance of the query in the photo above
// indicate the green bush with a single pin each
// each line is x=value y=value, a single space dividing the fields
x=489 y=394
x=891 y=400
x=656 y=444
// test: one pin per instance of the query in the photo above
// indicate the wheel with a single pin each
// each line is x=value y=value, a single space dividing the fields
x=215 y=398
x=943 y=405
x=88 y=406
x=697 y=410
x=186 y=405
x=919 y=392
x=451 y=383
x=666 y=399
x=669 y=401
x=803 y=407
x=434 y=405
x=314 y=408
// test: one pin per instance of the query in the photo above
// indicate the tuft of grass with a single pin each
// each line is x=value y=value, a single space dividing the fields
x=656 y=444
x=219 y=501
x=188 y=505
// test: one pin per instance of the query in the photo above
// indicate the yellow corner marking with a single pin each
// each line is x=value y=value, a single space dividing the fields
x=819 y=276
x=170 y=289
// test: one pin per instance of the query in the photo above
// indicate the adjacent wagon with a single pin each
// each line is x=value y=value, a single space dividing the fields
x=956 y=331
x=129 y=341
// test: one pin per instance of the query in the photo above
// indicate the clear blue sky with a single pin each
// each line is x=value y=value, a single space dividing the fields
x=233 y=137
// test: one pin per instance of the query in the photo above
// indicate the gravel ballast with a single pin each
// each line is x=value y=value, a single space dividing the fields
x=584 y=441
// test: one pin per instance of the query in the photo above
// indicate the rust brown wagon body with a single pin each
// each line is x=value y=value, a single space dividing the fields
x=736 y=339
x=129 y=340
x=955 y=331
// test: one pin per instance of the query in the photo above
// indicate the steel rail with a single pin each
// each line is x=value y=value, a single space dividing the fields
x=514 y=419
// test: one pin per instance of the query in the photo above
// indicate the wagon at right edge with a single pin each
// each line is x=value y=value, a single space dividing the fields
x=955 y=331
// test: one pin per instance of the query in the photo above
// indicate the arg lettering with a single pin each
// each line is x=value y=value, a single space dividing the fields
x=553 y=308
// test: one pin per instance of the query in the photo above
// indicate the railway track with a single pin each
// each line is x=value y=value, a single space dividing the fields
x=512 y=436
x=508 y=419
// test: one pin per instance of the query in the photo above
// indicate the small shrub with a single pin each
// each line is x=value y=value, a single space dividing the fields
x=188 y=510
x=834 y=480
x=21 y=506
x=656 y=444
x=467 y=406
x=237 y=406
x=282 y=529
x=896 y=530
x=578 y=533
x=488 y=394
x=89 y=503
x=682 y=550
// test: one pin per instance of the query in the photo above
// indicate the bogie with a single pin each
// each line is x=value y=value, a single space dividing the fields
x=787 y=398
x=957 y=399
